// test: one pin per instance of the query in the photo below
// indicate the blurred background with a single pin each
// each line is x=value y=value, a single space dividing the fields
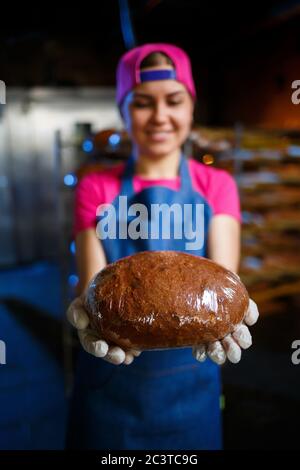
x=60 y=121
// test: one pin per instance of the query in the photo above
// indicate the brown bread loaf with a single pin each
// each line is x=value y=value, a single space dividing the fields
x=165 y=299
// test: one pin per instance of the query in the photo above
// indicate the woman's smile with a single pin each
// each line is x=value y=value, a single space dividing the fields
x=159 y=136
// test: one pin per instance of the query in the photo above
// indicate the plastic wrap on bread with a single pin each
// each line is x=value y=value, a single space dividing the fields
x=165 y=299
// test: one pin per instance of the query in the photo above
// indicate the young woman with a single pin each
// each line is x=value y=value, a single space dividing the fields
x=127 y=399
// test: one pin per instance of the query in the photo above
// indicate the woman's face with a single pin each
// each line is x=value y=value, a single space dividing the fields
x=158 y=116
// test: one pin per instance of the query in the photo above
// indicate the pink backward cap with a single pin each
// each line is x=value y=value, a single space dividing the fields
x=128 y=70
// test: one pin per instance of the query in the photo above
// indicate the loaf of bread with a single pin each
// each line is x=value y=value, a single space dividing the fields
x=165 y=299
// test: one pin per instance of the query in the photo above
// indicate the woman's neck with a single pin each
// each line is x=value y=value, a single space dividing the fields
x=165 y=167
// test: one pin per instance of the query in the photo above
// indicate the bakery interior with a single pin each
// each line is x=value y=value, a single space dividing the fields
x=59 y=121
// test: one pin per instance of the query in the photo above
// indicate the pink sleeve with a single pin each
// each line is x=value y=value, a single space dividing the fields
x=225 y=196
x=88 y=196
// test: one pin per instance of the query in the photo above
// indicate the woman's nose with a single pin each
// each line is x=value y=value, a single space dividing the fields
x=160 y=113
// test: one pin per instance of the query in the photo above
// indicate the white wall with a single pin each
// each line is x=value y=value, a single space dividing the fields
x=28 y=185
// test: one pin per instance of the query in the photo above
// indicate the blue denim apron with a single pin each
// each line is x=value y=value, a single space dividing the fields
x=165 y=399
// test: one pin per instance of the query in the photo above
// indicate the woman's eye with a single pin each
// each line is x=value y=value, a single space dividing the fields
x=145 y=104
x=138 y=104
x=174 y=103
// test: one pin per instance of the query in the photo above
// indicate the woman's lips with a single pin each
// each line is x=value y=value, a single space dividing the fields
x=159 y=136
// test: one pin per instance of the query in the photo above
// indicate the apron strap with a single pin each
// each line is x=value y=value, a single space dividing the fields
x=127 y=178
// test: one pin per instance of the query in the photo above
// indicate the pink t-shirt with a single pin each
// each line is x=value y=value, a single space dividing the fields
x=216 y=186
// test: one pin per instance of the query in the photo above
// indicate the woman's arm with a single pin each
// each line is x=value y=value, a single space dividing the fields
x=90 y=257
x=224 y=242
x=224 y=248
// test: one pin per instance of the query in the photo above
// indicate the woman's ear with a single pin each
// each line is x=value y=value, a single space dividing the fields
x=120 y=111
x=121 y=114
x=194 y=106
x=196 y=112
x=125 y=113
x=123 y=106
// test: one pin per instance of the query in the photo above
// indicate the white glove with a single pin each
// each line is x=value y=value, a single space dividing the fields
x=231 y=346
x=91 y=343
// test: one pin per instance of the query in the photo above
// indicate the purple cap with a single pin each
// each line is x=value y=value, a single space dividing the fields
x=129 y=74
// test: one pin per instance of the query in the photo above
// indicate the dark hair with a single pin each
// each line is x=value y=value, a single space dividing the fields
x=156 y=58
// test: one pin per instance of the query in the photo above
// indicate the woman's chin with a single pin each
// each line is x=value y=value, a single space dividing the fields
x=158 y=150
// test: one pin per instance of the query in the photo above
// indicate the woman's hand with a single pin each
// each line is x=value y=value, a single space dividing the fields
x=231 y=346
x=91 y=343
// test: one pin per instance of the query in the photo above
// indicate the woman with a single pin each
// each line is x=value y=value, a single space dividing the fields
x=164 y=399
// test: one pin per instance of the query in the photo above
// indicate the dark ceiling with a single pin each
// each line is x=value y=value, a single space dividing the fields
x=80 y=44
x=152 y=20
